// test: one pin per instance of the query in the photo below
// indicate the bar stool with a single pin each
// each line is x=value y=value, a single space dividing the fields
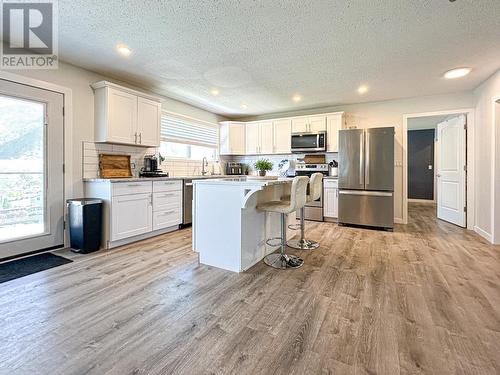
x=282 y=260
x=315 y=187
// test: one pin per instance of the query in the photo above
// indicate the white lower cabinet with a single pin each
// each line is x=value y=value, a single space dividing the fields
x=131 y=216
x=137 y=208
x=167 y=209
x=167 y=217
x=330 y=198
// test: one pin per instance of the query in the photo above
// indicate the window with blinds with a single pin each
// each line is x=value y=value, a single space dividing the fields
x=183 y=137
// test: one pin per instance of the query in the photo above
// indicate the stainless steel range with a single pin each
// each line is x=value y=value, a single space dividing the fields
x=314 y=209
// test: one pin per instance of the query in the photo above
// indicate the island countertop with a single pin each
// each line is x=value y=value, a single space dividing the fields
x=229 y=230
x=252 y=182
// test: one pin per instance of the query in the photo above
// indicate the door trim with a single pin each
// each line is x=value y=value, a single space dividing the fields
x=67 y=130
x=469 y=113
x=495 y=211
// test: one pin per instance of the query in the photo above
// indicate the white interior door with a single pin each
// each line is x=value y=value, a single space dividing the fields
x=451 y=174
x=31 y=169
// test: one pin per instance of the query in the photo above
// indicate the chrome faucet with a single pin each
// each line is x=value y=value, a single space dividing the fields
x=204 y=164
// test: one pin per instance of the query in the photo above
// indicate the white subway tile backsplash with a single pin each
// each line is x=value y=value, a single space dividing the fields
x=175 y=167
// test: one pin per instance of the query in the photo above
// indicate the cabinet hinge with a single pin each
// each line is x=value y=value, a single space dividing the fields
x=465 y=126
x=64 y=224
x=64 y=111
x=465 y=209
x=465 y=168
x=64 y=168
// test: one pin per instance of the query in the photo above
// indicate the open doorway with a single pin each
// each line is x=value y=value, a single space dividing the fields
x=437 y=166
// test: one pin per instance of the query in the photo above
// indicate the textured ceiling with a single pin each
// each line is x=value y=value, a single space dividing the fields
x=263 y=52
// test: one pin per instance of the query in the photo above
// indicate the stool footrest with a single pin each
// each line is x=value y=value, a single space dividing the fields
x=273 y=242
x=295 y=227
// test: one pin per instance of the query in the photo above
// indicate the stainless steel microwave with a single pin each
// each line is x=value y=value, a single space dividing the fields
x=309 y=142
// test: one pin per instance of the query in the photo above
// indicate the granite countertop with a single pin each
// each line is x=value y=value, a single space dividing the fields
x=254 y=181
x=135 y=179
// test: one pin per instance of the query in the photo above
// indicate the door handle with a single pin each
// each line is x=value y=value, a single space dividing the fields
x=438 y=175
x=135 y=135
x=367 y=164
x=140 y=138
x=361 y=159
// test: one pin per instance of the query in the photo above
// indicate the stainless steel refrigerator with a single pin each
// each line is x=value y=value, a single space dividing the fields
x=366 y=177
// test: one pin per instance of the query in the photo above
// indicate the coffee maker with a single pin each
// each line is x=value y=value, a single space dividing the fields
x=150 y=168
x=233 y=168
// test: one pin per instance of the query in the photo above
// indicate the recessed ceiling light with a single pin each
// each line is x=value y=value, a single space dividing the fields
x=297 y=98
x=457 y=73
x=362 y=89
x=124 y=50
x=243 y=106
x=215 y=92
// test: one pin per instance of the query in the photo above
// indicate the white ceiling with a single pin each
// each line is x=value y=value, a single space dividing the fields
x=263 y=52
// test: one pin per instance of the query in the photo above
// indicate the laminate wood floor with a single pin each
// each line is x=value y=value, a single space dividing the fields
x=424 y=299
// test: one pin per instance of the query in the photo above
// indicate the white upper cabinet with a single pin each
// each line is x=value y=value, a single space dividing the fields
x=282 y=136
x=252 y=138
x=126 y=116
x=148 y=122
x=266 y=137
x=232 y=138
x=121 y=117
x=334 y=123
x=274 y=136
x=317 y=123
x=259 y=137
x=309 y=124
x=300 y=125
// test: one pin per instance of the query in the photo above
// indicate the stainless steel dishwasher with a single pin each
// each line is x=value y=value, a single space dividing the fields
x=187 y=202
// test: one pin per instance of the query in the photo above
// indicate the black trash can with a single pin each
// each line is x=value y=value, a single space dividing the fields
x=85 y=224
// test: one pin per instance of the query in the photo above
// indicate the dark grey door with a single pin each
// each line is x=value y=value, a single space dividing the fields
x=379 y=159
x=351 y=159
x=421 y=164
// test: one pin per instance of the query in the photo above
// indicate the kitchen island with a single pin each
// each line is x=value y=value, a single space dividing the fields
x=228 y=230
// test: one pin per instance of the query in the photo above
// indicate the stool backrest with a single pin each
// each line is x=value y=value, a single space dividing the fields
x=315 y=186
x=298 y=192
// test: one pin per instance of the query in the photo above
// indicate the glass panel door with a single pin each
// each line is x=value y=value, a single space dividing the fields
x=22 y=169
x=31 y=169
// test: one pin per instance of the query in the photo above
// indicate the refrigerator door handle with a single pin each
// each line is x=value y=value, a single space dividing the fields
x=367 y=164
x=365 y=192
x=361 y=158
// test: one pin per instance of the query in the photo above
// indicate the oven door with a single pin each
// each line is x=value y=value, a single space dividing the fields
x=308 y=142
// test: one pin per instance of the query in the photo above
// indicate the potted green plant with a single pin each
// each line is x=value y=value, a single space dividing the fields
x=263 y=165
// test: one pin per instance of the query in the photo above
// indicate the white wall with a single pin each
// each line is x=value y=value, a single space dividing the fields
x=390 y=113
x=79 y=80
x=485 y=157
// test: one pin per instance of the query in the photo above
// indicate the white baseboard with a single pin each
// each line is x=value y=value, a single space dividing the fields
x=398 y=220
x=483 y=234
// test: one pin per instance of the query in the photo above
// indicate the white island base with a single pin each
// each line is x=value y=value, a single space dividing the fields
x=228 y=231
